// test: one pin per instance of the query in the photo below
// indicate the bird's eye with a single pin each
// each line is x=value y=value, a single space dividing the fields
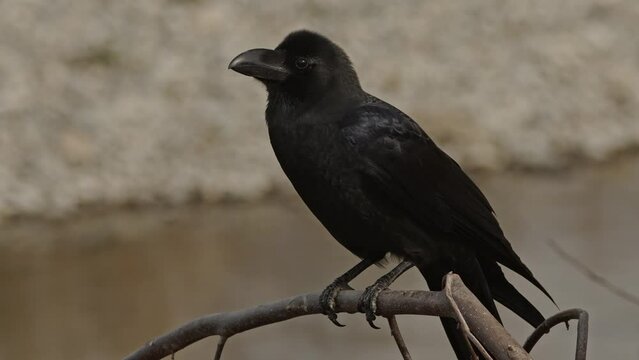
x=301 y=63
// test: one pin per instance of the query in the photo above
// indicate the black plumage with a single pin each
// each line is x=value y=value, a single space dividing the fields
x=376 y=180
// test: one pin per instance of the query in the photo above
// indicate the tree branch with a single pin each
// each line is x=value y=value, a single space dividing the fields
x=564 y=316
x=487 y=330
x=463 y=326
x=220 y=347
x=399 y=340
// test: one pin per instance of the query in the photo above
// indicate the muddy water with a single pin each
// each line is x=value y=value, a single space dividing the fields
x=98 y=285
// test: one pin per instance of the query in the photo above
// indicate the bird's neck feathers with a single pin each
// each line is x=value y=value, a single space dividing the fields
x=291 y=102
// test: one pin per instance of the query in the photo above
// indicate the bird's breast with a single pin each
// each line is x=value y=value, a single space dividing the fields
x=310 y=154
x=324 y=173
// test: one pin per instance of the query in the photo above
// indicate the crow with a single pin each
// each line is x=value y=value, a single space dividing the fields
x=378 y=183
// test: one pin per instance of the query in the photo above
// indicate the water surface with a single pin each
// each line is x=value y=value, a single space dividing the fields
x=100 y=284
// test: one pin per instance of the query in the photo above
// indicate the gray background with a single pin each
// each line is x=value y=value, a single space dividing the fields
x=130 y=101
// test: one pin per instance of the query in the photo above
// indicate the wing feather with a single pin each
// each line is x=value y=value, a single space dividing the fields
x=403 y=164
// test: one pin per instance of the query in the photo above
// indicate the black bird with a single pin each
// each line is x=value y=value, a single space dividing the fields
x=378 y=182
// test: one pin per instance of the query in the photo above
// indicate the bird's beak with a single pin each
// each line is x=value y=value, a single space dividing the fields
x=263 y=64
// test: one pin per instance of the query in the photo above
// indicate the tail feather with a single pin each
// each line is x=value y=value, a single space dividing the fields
x=520 y=268
x=505 y=293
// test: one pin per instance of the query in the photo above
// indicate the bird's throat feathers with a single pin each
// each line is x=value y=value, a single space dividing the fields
x=326 y=107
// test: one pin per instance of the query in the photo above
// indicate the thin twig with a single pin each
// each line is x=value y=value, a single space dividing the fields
x=468 y=335
x=582 y=336
x=564 y=316
x=397 y=335
x=220 y=347
x=595 y=277
x=482 y=350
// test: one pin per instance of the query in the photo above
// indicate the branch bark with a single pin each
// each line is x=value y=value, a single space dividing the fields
x=481 y=323
x=399 y=340
x=564 y=316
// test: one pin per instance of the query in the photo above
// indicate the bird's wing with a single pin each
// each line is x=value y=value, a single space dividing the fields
x=403 y=165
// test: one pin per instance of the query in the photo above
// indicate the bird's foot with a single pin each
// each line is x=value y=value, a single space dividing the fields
x=368 y=302
x=327 y=300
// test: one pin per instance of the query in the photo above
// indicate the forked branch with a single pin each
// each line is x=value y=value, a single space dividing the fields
x=481 y=325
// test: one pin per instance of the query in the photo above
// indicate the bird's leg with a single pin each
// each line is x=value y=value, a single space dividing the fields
x=328 y=296
x=368 y=301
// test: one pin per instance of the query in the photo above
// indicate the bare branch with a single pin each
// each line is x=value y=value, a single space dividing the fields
x=483 y=326
x=595 y=277
x=481 y=323
x=220 y=347
x=463 y=326
x=397 y=335
x=230 y=323
x=564 y=316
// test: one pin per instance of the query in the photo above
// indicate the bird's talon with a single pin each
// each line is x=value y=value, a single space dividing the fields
x=333 y=318
x=327 y=301
x=370 y=317
x=368 y=303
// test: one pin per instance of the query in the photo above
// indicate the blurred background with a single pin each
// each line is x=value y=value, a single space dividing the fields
x=138 y=189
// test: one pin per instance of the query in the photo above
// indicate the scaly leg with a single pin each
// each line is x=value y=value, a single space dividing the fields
x=368 y=301
x=328 y=296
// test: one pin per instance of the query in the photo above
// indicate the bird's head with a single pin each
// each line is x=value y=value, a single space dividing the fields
x=305 y=65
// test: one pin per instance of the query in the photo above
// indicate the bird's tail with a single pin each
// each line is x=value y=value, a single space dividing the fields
x=471 y=273
x=507 y=295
